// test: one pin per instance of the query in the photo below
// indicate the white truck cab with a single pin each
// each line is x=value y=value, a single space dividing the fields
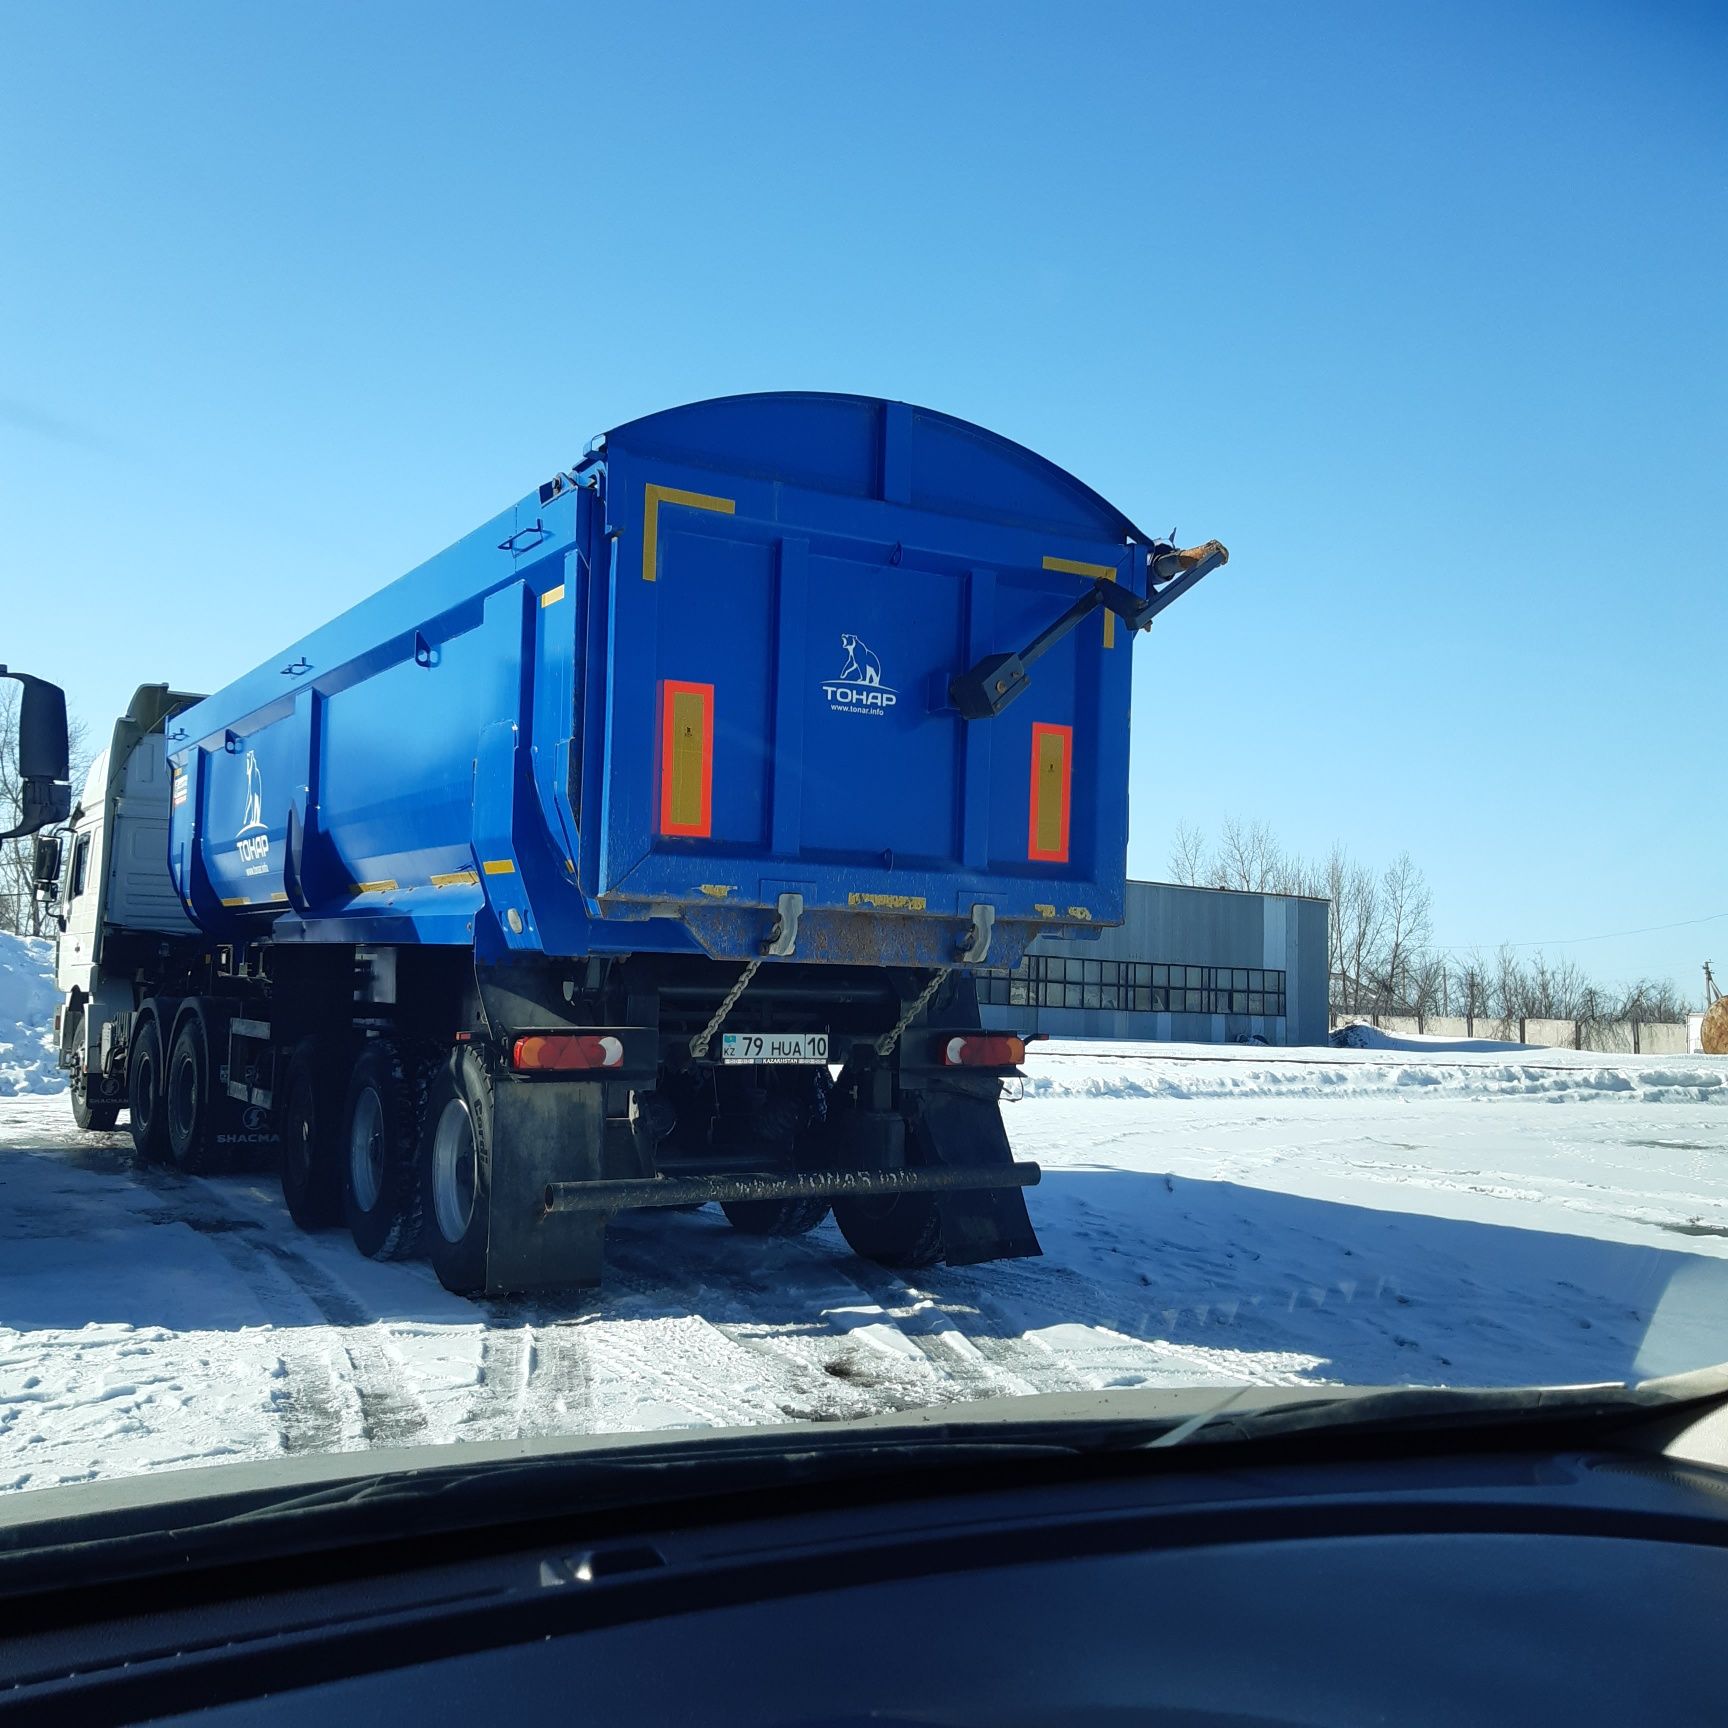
x=113 y=893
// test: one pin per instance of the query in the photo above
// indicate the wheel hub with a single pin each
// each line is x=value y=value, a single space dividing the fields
x=366 y=1150
x=455 y=1171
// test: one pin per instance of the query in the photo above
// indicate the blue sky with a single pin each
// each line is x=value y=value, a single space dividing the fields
x=1422 y=310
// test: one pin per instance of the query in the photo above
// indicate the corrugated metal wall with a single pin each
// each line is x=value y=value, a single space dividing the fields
x=1169 y=925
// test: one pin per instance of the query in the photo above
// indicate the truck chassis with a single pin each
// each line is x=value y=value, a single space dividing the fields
x=434 y=1106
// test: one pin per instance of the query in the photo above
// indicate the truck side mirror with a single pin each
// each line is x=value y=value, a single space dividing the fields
x=44 y=769
x=45 y=865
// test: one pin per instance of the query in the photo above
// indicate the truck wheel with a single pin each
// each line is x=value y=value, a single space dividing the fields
x=97 y=1118
x=93 y=1118
x=456 y=1172
x=774 y=1217
x=893 y=1229
x=311 y=1149
x=191 y=1105
x=381 y=1189
x=787 y=1116
x=144 y=1094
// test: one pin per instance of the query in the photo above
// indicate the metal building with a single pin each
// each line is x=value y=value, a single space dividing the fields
x=1202 y=965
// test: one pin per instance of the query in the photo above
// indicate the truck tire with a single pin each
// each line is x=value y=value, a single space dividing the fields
x=381 y=1135
x=97 y=1118
x=902 y=1230
x=190 y=1097
x=94 y=1118
x=774 y=1217
x=456 y=1171
x=311 y=1142
x=145 y=1099
x=787 y=1117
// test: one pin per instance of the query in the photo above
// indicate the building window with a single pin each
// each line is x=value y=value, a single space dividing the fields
x=1133 y=986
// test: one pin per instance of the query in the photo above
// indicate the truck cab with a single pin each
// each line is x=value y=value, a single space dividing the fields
x=113 y=902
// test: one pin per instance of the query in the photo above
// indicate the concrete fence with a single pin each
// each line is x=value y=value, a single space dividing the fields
x=1613 y=1037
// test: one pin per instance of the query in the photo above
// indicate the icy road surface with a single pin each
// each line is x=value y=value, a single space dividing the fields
x=1207 y=1217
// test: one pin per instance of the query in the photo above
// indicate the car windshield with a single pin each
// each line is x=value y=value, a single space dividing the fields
x=641 y=841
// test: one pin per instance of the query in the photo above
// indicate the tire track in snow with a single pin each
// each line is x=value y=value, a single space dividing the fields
x=557 y=1388
x=836 y=1340
x=388 y=1416
x=535 y=1373
x=383 y=1414
x=309 y=1409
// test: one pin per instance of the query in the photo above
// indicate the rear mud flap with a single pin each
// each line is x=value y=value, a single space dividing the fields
x=960 y=1123
x=544 y=1133
x=986 y=1224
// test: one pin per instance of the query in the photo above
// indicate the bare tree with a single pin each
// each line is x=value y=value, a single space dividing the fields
x=1472 y=982
x=1379 y=950
x=1407 y=928
x=1358 y=923
x=1650 y=1000
x=1188 y=861
x=1248 y=857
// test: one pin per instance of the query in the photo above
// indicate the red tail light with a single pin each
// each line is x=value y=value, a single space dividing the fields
x=984 y=1050
x=562 y=1052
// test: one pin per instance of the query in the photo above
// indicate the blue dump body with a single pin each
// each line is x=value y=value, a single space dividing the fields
x=706 y=669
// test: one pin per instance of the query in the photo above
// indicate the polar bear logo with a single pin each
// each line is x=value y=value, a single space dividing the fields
x=253 y=815
x=862 y=666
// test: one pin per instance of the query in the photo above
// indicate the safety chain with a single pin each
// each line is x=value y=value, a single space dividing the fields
x=885 y=1044
x=699 y=1044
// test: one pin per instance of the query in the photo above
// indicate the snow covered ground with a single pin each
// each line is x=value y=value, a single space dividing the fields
x=1208 y=1215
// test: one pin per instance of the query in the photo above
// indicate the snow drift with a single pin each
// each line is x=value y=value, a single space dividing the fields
x=1071 y=1069
x=27 y=1002
x=1361 y=1036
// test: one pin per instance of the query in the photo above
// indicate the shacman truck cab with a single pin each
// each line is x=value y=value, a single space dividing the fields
x=638 y=850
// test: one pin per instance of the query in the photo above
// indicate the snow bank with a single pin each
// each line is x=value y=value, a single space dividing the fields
x=1364 y=1037
x=1070 y=1069
x=27 y=1002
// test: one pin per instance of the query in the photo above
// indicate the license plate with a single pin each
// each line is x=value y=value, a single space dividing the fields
x=807 y=1047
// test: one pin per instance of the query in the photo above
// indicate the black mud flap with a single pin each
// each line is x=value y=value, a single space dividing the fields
x=244 y=1135
x=544 y=1133
x=960 y=1123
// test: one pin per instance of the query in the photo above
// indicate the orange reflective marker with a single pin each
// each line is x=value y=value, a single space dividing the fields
x=1052 y=770
x=687 y=759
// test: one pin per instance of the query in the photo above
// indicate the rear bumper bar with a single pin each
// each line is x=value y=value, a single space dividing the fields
x=698 y=1190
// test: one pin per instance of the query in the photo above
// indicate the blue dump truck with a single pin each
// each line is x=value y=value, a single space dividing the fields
x=636 y=851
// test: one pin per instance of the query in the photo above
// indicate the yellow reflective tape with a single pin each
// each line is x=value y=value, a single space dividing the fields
x=1080 y=912
x=1042 y=910
x=1052 y=781
x=714 y=890
x=552 y=596
x=276 y=897
x=888 y=902
x=685 y=799
x=499 y=867
x=1073 y=567
x=387 y=886
x=653 y=498
x=242 y=901
x=456 y=879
